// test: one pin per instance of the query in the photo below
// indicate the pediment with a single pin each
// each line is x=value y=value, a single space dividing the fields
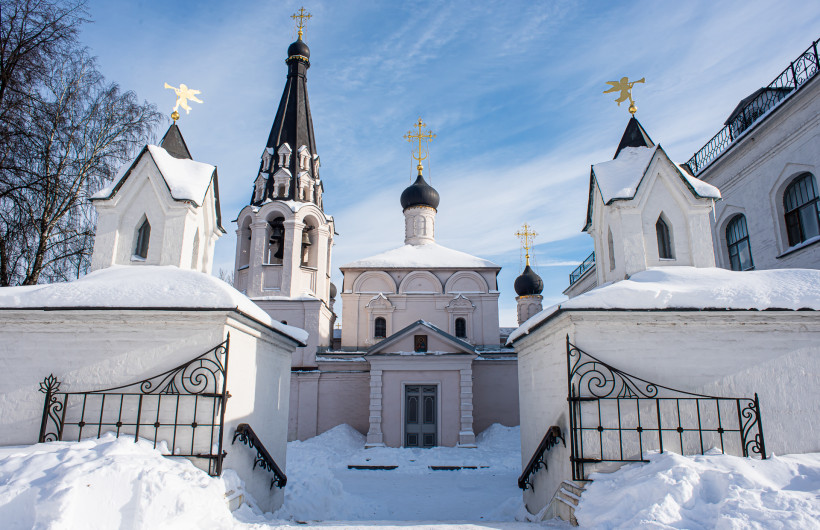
x=440 y=343
x=460 y=302
x=379 y=302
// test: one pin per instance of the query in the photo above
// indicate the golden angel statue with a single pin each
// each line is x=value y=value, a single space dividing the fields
x=624 y=86
x=183 y=95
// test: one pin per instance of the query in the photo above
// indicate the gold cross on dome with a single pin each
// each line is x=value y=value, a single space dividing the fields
x=624 y=86
x=526 y=235
x=302 y=15
x=420 y=135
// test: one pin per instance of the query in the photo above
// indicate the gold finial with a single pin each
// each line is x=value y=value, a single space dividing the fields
x=526 y=235
x=183 y=95
x=411 y=136
x=624 y=86
x=301 y=15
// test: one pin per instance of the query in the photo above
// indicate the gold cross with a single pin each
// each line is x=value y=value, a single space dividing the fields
x=410 y=136
x=526 y=235
x=301 y=15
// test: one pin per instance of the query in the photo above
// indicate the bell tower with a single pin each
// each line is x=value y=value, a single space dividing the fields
x=284 y=237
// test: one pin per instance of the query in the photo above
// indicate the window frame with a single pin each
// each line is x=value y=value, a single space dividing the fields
x=142 y=240
x=664 y=236
x=738 y=220
x=793 y=217
x=463 y=322
x=376 y=328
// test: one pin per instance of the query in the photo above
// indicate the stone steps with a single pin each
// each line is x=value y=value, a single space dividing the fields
x=565 y=500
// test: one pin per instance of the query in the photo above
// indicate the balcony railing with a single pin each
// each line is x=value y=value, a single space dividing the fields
x=793 y=77
x=579 y=271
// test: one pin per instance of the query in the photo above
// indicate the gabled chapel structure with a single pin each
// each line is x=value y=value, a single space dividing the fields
x=668 y=352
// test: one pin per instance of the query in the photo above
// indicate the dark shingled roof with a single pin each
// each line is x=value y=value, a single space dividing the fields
x=293 y=123
x=174 y=143
x=634 y=136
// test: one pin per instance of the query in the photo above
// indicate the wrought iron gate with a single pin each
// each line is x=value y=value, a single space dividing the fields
x=182 y=410
x=616 y=417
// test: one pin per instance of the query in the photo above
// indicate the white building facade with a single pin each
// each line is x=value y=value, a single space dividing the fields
x=670 y=352
x=150 y=345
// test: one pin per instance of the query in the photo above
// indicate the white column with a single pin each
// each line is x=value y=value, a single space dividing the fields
x=466 y=436
x=259 y=232
x=292 y=258
x=375 y=437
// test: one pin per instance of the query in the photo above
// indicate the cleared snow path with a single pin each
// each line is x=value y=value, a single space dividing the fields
x=321 y=486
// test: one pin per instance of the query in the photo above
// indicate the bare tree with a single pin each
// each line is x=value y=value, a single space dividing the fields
x=225 y=275
x=67 y=137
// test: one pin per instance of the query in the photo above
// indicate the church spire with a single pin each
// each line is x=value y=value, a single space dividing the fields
x=290 y=165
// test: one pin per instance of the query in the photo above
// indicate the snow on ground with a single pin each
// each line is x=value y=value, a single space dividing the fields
x=706 y=491
x=116 y=483
x=106 y=483
x=696 y=288
x=321 y=487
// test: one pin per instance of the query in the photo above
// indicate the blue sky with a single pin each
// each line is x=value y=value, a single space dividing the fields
x=512 y=89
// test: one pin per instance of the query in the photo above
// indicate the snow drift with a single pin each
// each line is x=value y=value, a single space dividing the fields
x=106 y=483
x=706 y=491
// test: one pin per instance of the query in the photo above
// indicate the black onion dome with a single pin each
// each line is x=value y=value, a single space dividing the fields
x=419 y=194
x=332 y=290
x=299 y=48
x=529 y=283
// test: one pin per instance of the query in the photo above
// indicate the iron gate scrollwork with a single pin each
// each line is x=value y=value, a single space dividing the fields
x=181 y=410
x=617 y=417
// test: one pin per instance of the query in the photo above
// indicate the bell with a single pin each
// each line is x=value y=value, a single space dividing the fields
x=305 y=238
x=277 y=231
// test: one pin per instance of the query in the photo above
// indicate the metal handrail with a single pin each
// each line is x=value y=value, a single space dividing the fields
x=579 y=271
x=538 y=461
x=793 y=77
x=263 y=458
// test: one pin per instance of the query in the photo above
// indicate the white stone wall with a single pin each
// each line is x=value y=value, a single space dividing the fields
x=88 y=350
x=729 y=354
x=632 y=224
x=174 y=224
x=754 y=173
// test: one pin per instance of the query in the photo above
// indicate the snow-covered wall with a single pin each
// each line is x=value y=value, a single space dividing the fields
x=89 y=349
x=726 y=353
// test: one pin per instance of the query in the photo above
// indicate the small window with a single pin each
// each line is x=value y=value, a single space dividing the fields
x=737 y=240
x=380 y=328
x=420 y=343
x=461 y=328
x=664 y=241
x=802 y=209
x=143 y=236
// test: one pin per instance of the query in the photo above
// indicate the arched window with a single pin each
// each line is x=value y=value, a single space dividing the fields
x=737 y=241
x=664 y=240
x=276 y=242
x=611 y=246
x=380 y=328
x=461 y=328
x=143 y=236
x=802 y=209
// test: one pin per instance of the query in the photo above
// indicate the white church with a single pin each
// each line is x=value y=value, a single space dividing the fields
x=656 y=349
x=420 y=363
